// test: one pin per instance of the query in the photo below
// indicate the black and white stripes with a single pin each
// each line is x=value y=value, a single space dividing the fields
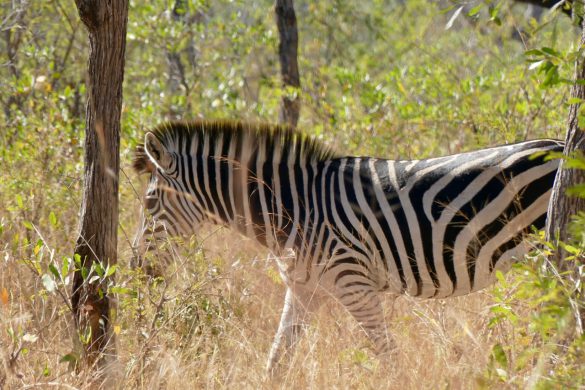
x=429 y=228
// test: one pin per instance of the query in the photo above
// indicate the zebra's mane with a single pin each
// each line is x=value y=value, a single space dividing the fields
x=273 y=136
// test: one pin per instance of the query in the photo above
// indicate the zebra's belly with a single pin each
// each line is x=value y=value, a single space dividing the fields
x=422 y=278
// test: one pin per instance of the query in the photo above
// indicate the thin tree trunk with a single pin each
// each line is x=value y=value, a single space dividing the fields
x=106 y=23
x=286 y=21
x=562 y=207
x=13 y=40
x=179 y=14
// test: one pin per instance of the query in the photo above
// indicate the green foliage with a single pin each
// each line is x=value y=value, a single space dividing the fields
x=396 y=79
x=539 y=308
x=547 y=346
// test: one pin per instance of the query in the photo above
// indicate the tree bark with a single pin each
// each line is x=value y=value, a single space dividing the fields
x=106 y=22
x=562 y=207
x=286 y=21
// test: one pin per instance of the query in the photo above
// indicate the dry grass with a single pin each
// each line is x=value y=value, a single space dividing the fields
x=215 y=322
x=215 y=326
x=212 y=323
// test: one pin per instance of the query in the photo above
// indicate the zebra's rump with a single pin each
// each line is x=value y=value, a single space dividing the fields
x=443 y=226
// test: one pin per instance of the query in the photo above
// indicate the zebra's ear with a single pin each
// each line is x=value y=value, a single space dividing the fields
x=157 y=152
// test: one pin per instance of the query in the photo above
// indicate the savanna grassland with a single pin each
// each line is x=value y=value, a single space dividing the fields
x=394 y=79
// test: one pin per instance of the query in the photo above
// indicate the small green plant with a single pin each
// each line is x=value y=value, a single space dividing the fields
x=543 y=306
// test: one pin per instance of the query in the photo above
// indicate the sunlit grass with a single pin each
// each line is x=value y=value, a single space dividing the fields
x=389 y=82
x=215 y=326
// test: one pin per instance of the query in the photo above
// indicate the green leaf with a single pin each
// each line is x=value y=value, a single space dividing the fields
x=54 y=271
x=99 y=269
x=581 y=121
x=38 y=247
x=70 y=358
x=111 y=270
x=121 y=290
x=65 y=267
x=577 y=162
x=494 y=14
x=571 y=249
x=499 y=355
x=475 y=10
x=533 y=52
x=53 y=218
x=500 y=309
x=574 y=100
x=447 y=9
x=577 y=190
x=551 y=52
x=19 y=201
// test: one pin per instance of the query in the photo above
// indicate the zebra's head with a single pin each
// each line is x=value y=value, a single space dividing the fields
x=169 y=199
x=170 y=206
x=224 y=172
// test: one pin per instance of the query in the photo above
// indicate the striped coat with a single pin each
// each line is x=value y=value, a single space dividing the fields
x=355 y=226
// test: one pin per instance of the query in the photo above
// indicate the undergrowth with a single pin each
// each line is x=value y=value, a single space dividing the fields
x=378 y=78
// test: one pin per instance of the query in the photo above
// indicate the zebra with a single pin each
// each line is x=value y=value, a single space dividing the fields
x=355 y=226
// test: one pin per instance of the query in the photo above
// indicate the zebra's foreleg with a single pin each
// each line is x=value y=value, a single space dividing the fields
x=297 y=307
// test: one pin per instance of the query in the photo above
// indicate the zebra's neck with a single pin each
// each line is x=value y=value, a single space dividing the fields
x=254 y=186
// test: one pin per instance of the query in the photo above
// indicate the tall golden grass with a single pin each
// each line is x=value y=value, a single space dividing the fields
x=210 y=324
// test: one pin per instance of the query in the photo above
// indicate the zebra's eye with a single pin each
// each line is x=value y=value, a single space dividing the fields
x=150 y=200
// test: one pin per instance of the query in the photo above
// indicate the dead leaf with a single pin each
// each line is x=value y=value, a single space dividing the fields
x=4 y=296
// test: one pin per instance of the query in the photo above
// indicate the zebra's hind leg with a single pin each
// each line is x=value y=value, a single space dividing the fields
x=297 y=307
x=365 y=306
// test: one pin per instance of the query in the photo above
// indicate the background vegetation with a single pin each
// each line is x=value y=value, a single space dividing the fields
x=392 y=79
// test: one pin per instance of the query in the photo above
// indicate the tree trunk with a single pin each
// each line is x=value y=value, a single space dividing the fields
x=562 y=207
x=106 y=23
x=286 y=21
